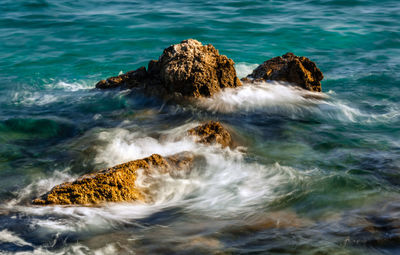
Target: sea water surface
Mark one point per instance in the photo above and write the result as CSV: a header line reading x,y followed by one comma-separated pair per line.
x,y
313,175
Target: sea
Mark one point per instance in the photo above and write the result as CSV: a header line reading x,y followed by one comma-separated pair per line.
x,y
314,173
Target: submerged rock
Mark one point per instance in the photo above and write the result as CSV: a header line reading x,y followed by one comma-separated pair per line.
x,y
290,68
187,69
212,132
115,184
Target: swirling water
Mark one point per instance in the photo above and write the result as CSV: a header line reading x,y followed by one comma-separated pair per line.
x,y
313,175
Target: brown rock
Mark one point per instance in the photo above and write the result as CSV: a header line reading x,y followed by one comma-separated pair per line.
x,y
130,79
189,69
115,184
196,70
212,132
290,68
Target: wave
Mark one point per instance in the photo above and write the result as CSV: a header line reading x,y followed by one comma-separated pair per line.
x,y
225,185
275,97
52,93
10,237
243,69
33,98
70,86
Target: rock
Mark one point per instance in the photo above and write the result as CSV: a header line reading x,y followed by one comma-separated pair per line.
x,y
115,184
189,69
290,68
196,70
129,80
212,132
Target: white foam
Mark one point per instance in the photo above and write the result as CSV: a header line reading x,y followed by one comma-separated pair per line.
x,y
10,237
279,98
224,185
273,96
69,86
124,146
40,186
243,69
33,98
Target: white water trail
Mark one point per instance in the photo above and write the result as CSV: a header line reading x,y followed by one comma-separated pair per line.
x,y
53,92
271,96
70,86
224,185
243,69
279,98
10,237
28,98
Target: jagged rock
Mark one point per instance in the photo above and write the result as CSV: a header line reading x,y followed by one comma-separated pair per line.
x,y
212,132
196,70
115,184
290,68
188,69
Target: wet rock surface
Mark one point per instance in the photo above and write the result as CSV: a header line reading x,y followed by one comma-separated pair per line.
x,y
187,69
299,71
115,184
212,132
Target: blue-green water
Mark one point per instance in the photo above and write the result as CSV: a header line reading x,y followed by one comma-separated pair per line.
x,y
313,177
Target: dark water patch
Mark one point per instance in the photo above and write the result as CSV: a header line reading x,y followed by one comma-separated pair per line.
x,y
38,128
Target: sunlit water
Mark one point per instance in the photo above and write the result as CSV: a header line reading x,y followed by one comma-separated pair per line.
x,y
313,174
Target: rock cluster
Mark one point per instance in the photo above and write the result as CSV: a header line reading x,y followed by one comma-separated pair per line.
x,y
118,183
290,68
187,69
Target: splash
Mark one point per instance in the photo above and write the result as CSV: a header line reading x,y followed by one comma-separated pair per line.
x,y
243,69
27,98
279,98
10,237
53,92
70,86
273,96
224,184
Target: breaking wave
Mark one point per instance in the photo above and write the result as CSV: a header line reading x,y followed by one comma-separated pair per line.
x,y
226,184
279,98
53,92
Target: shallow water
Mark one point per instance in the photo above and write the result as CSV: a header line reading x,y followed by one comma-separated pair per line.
x,y
314,174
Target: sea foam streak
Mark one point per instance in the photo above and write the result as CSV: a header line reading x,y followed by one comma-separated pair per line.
x,y
53,92
10,237
225,185
70,86
274,97
243,69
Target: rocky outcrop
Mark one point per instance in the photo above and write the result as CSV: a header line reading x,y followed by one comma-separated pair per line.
x,y
197,70
115,184
290,68
212,132
187,69
118,183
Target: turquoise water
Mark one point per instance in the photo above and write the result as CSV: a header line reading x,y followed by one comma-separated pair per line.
x,y
313,176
